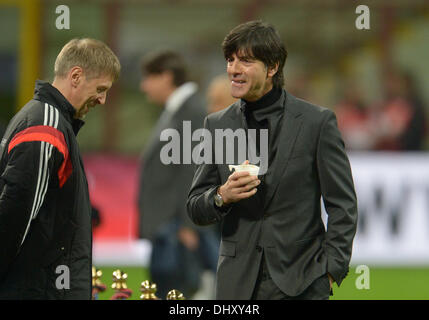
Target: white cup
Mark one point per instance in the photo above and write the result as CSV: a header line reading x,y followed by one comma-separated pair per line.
x,y
252,169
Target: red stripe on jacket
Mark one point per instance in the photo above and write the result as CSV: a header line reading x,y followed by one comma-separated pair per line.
x,y
52,136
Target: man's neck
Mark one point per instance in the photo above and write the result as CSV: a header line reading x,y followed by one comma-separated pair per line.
x,y
266,100
64,89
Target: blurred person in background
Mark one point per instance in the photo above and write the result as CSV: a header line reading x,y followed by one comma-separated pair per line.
x,y
45,211
354,119
400,120
300,85
219,94
180,250
218,98
274,243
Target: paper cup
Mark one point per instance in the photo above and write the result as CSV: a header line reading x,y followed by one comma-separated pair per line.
x,y
252,169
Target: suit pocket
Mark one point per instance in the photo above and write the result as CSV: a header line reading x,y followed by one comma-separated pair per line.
x,y
227,248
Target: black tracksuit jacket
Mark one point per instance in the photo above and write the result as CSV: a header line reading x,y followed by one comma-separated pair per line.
x,y
45,212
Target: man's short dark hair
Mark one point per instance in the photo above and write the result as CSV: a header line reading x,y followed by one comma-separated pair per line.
x,y
162,61
257,40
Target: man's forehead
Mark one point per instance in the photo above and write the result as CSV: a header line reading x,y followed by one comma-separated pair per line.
x,y
244,53
105,80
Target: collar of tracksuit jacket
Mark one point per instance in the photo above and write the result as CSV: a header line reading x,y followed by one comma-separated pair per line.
x,y
45,92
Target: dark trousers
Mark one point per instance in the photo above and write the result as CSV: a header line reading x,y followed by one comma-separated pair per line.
x,y
266,289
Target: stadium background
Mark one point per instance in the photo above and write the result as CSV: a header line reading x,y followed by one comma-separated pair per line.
x,y
326,51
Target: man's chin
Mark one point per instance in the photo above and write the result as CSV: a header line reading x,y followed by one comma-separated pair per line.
x,y
81,114
237,94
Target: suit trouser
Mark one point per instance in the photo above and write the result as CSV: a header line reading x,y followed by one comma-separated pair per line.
x,y
266,289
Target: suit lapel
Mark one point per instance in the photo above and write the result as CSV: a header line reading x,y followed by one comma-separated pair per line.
x,y
286,141
237,117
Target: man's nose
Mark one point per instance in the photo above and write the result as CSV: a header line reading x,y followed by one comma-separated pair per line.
x,y
101,99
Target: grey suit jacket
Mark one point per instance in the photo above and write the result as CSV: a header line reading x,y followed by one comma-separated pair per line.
x,y
310,163
163,188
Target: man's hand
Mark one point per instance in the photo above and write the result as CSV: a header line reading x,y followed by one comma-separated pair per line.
x,y
331,280
189,238
240,185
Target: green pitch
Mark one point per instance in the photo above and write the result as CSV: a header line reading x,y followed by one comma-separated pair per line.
x,y
384,284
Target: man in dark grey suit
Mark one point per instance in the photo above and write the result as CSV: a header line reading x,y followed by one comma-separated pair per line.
x,y
180,249
274,244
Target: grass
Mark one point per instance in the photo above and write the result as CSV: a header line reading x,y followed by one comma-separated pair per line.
x,y
384,284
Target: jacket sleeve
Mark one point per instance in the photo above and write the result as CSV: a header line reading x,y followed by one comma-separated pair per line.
x,y
24,181
339,197
200,204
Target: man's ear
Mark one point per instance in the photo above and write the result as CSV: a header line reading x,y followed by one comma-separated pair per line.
x,y
76,76
168,77
272,70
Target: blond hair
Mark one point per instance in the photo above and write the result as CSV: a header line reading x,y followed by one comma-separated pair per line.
x,y
93,56
219,94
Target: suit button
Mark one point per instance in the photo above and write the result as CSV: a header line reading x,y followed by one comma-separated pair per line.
x,y
259,248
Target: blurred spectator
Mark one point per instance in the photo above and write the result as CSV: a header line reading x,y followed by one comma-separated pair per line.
x,y
219,94
218,98
354,120
400,119
180,250
298,84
